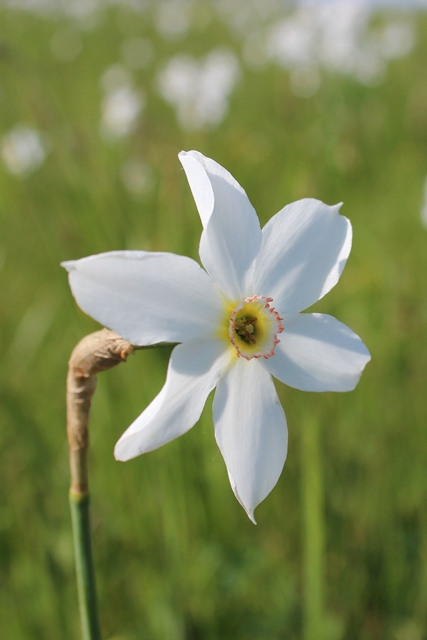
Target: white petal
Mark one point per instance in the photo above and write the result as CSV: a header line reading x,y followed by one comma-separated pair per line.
x,y
232,236
193,372
250,428
146,297
304,250
318,353
200,185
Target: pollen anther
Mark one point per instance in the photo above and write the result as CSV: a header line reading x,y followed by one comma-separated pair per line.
x,y
253,328
244,327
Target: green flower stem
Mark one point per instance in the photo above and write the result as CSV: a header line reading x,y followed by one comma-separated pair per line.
x,y
79,505
312,488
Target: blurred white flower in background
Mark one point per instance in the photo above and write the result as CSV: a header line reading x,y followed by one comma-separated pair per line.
x,y
292,41
172,18
304,37
396,39
136,177
122,104
305,81
199,89
246,16
137,53
81,10
120,111
337,36
116,77
24,149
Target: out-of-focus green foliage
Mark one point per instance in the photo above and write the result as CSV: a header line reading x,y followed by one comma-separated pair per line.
x,y
176,556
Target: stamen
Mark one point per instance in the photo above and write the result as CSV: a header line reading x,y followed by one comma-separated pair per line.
x,y
244,327
255,336
244,322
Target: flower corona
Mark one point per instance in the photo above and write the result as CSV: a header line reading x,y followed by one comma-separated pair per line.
x,y
254,327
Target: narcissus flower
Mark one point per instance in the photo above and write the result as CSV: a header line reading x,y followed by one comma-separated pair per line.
x,y
238,322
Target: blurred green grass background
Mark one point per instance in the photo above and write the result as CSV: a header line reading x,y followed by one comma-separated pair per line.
x,y
175,554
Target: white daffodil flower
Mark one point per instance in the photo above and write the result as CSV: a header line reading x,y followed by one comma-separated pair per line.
x,y
238,322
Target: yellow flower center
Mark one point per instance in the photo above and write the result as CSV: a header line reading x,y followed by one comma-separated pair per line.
x,y
253,328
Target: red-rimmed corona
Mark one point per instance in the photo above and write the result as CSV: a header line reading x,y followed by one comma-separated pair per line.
x,y
254,327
